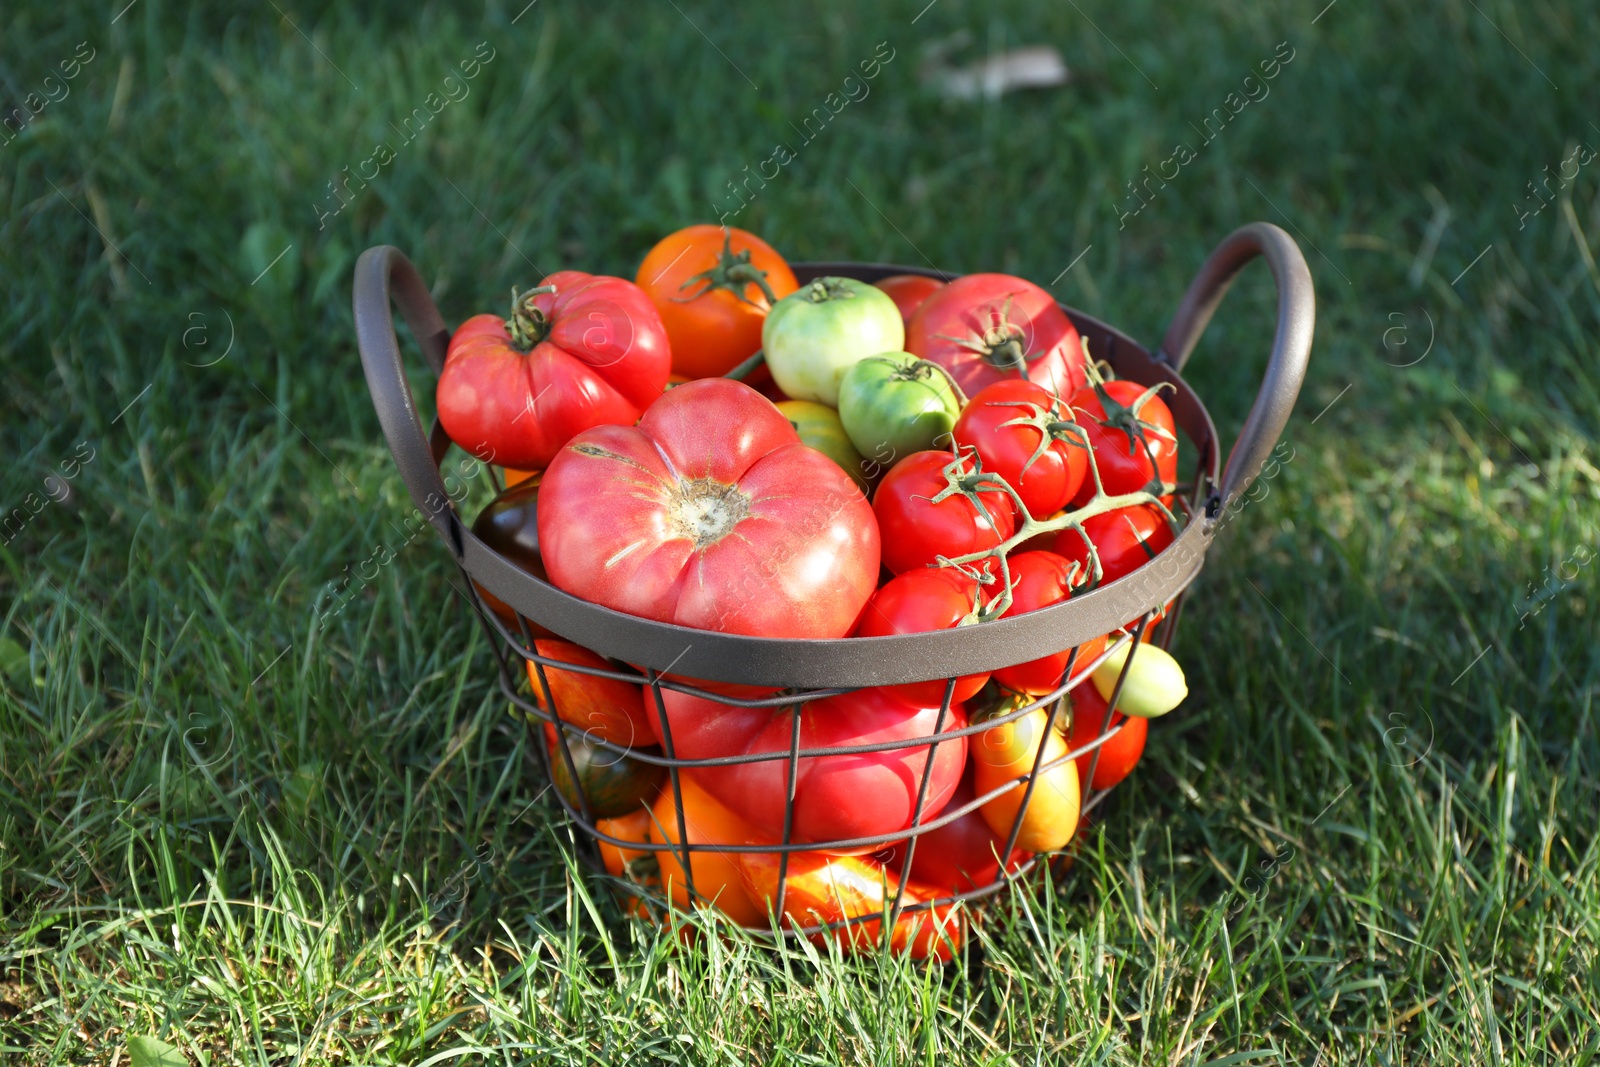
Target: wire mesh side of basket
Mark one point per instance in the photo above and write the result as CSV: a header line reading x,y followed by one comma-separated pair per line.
x,y
517,648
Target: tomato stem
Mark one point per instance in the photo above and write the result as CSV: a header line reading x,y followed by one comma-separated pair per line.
x,y
1053,423
1031,527
734,272
527,324
1000,345
923,364
744,370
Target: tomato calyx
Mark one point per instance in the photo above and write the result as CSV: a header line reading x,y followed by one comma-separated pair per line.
x,y
983,577
733,272
969,482
1125,419
527,324
825,289
1001,344
995,702
920,370
1054,423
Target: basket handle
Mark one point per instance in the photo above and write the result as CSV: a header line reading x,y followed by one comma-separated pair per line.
x,y
1291,344
383,272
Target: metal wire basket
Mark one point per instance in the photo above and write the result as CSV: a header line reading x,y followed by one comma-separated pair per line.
x,y
811,669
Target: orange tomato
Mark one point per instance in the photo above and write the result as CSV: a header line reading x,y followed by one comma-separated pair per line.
x,y
713,287
610,710
716,874
635,906
834,889
932,933
516,477
634,826
1004,754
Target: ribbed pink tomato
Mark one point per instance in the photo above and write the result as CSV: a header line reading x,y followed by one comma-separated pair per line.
x,y
710,513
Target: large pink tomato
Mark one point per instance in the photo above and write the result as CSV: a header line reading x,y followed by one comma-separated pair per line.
x,y
710,513
580,350
983,328
835,797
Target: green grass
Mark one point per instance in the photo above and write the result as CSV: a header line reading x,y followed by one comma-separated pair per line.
x,y
265,838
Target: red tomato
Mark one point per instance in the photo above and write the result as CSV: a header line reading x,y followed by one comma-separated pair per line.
x,y
835,796
916,531
1027,436
930,934
604,707
710,513
1039,579
1119,755
962,854
933,598
1132,448
909,291
591,352
822,889
713,286
1126,540
983,328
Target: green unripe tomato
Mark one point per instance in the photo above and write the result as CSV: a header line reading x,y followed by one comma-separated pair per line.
x,y
894,404
813,335
818,426
1155,682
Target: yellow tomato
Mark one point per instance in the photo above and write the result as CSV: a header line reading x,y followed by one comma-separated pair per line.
x,y
1004,754
818,426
